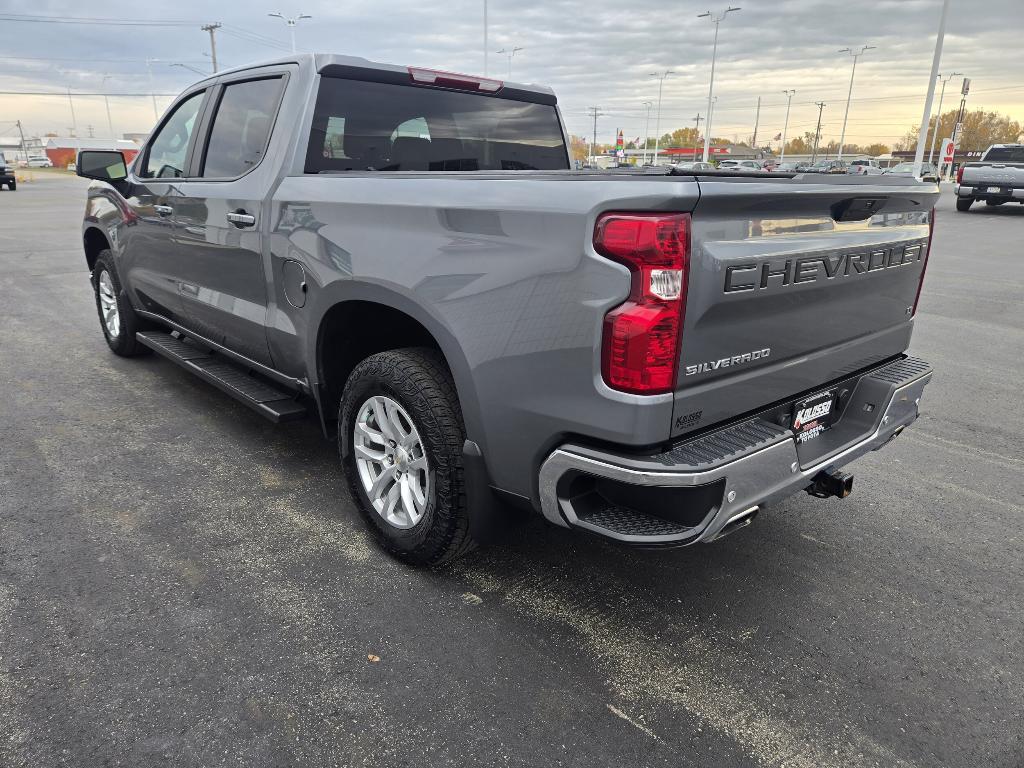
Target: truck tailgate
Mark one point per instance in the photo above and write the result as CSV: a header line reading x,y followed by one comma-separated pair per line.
x,y
795,282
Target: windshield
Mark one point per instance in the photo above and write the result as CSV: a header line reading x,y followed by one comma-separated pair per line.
x,y
1005,155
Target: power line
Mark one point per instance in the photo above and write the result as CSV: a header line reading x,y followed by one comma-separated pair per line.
x,y
116,22
79,58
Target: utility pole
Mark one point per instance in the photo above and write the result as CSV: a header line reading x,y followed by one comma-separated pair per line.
x,y
938,114
595,112
716,20
757,119
74,122
922,136
785,126
817,131
510,52
485,38
152,93
842,135
657,120
647,128
106,101
696,136
21,133
212,28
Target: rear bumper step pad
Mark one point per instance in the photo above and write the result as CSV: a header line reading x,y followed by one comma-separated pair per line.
x,y
278,405
755,461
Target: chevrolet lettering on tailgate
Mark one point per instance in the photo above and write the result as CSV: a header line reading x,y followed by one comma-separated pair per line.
x,y
761,275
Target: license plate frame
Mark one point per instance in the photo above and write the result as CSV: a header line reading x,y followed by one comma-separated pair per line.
x,y
814,414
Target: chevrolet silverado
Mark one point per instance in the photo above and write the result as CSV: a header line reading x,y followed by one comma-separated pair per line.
x,y
651,356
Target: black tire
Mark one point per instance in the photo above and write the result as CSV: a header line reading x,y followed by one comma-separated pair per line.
x,y
419,380
964,203
124,342
12,186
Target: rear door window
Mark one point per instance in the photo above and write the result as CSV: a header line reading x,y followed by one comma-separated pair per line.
x,y
241,127
367,126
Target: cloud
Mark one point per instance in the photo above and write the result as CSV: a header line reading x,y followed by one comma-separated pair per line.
x,y
595,53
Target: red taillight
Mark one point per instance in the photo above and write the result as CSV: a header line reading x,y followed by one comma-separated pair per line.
x,y
640,349
927,252
454,80
959,175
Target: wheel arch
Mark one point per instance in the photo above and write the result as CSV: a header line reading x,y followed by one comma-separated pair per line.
x,y
382,319
94,242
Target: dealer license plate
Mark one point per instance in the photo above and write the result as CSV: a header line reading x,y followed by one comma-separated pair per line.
x,y
813,415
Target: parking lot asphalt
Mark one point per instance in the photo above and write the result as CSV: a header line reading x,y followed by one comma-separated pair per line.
x,y
182,583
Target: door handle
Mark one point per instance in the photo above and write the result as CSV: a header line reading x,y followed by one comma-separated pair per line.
x,y
163,210
241,219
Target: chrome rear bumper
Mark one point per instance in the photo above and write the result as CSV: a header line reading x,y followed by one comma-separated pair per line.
x,y
756,462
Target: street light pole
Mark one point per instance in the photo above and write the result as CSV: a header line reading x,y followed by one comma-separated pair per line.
x,y
938,114
485,39
595,112
785,125
291,22
657,119
647,128
510,52
857,55
817,131
188,67
716,20
922,136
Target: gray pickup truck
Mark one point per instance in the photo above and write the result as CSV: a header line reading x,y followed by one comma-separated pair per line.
x,y
408,255
997,178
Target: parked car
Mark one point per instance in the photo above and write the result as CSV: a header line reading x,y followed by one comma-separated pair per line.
x,y
516,334
928,171
864,167
997,178
7,174
39,162
786,167
693,166
740,165
828,166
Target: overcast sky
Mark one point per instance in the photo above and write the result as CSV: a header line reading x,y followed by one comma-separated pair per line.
x,y
594,53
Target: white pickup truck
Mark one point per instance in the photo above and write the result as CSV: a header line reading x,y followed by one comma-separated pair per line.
x,y
997,178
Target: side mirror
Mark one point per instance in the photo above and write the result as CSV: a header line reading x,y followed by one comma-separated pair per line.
x,y
102,164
